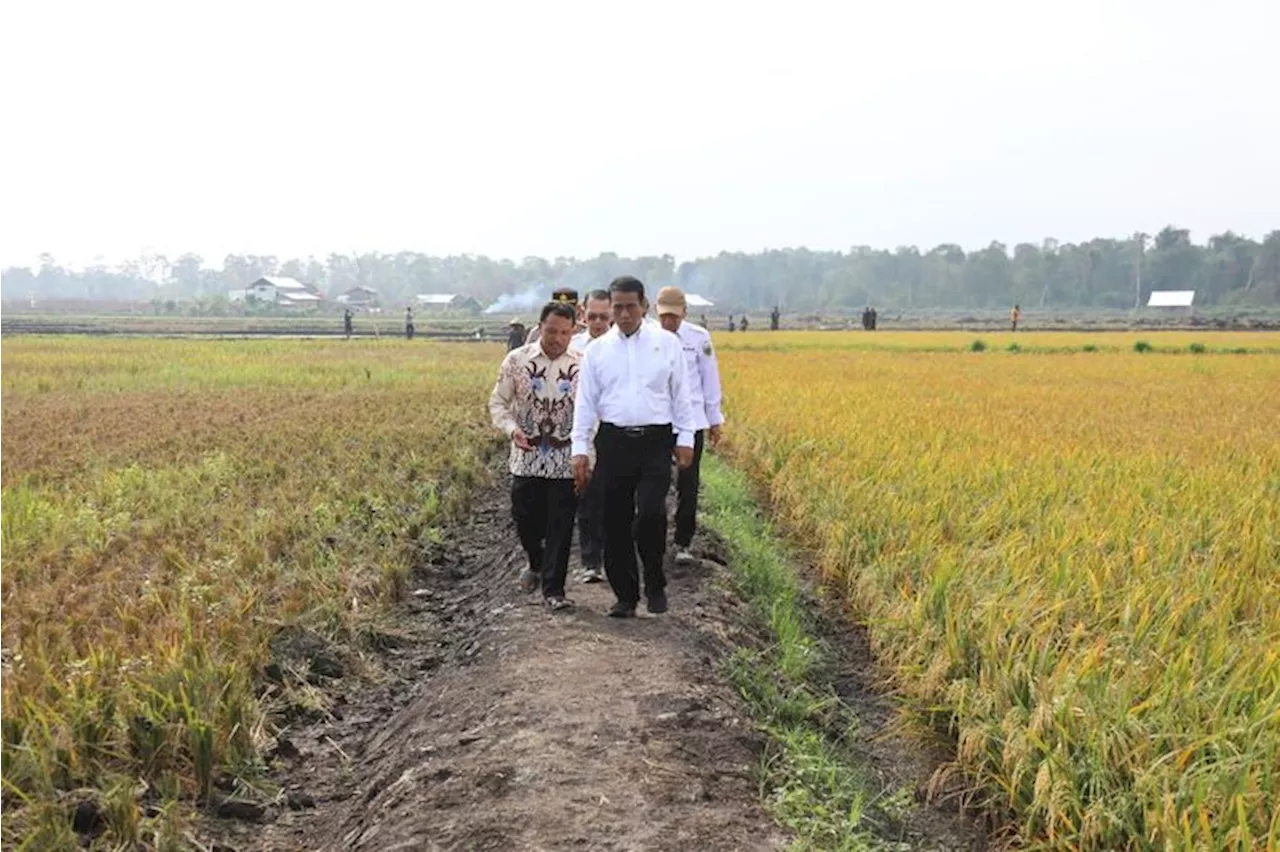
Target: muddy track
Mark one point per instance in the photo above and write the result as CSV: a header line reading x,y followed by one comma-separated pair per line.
x,y
493,724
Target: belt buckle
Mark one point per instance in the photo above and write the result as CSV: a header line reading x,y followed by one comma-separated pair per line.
x,y
633,431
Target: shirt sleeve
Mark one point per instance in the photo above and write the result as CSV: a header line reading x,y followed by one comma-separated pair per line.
x,y
709,370
585,405
502,397
681,408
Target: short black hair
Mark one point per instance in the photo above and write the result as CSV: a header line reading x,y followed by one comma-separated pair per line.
x,y
560,309
627,284
597,295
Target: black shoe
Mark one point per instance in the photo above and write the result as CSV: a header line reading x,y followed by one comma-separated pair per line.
x,y
657,602
622,610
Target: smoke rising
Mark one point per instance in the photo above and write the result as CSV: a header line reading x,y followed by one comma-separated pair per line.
x,y
524,301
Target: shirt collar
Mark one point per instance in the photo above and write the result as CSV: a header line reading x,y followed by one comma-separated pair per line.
x,y
646,323
539,352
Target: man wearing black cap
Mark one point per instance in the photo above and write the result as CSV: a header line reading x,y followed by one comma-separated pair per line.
x,y
560,294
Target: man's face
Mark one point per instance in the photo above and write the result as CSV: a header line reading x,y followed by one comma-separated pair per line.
x,y
554,334
599,315
671,322
628,311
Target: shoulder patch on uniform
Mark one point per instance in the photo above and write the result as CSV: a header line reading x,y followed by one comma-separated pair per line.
x,y
706,349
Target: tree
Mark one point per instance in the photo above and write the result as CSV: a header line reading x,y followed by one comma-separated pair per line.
x,y
1175,260
184,276
1098,273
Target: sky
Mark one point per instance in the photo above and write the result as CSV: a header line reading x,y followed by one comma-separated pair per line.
x,y
683,128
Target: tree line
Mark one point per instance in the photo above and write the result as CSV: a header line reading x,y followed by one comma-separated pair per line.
x,y
1226,270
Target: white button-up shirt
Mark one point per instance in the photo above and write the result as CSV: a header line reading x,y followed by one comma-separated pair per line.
x,y
639,380
580,341
579,344
703,375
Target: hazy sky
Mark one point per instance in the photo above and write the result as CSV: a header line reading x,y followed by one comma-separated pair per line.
x,y
642,128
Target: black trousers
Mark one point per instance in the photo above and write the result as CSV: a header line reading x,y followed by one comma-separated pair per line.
x,y
634,469
687,482
591,525
544,510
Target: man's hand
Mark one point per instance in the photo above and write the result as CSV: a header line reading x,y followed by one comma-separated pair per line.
x,y
521,440
684,457
714,434
581,474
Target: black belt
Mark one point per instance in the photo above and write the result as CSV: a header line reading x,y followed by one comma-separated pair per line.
x,y
638,431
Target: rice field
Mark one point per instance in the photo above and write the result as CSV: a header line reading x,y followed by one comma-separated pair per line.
x,y
1068,556
1067,552
170,506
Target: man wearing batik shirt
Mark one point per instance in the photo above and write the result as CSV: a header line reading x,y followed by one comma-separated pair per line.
x,y
533,403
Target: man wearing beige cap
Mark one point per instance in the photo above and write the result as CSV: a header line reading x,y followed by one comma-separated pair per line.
x,y
703,382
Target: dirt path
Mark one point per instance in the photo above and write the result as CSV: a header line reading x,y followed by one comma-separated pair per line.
x,y
498,725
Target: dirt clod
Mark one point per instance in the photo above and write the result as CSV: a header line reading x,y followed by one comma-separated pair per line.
x,y
241,810
326,664
87,818
298,800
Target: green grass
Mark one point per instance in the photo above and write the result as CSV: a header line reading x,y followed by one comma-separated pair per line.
x,y
809,782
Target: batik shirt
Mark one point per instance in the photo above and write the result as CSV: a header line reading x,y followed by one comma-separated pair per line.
x,y
535,394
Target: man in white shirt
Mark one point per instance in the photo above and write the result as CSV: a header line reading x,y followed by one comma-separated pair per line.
x,y
632,381
591,504
598,314
703,380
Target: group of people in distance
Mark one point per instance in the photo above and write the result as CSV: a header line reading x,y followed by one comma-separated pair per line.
x,y
598,400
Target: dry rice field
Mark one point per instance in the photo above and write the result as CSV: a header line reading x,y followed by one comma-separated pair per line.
x,y
168,507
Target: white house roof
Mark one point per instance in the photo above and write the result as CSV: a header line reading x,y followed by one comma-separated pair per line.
x,y
436,298
359,294
693,300
1171,298
304,296
281,282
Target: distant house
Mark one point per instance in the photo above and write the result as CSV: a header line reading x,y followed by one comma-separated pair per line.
x,y
1171,298
360,297
447,302
283,291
